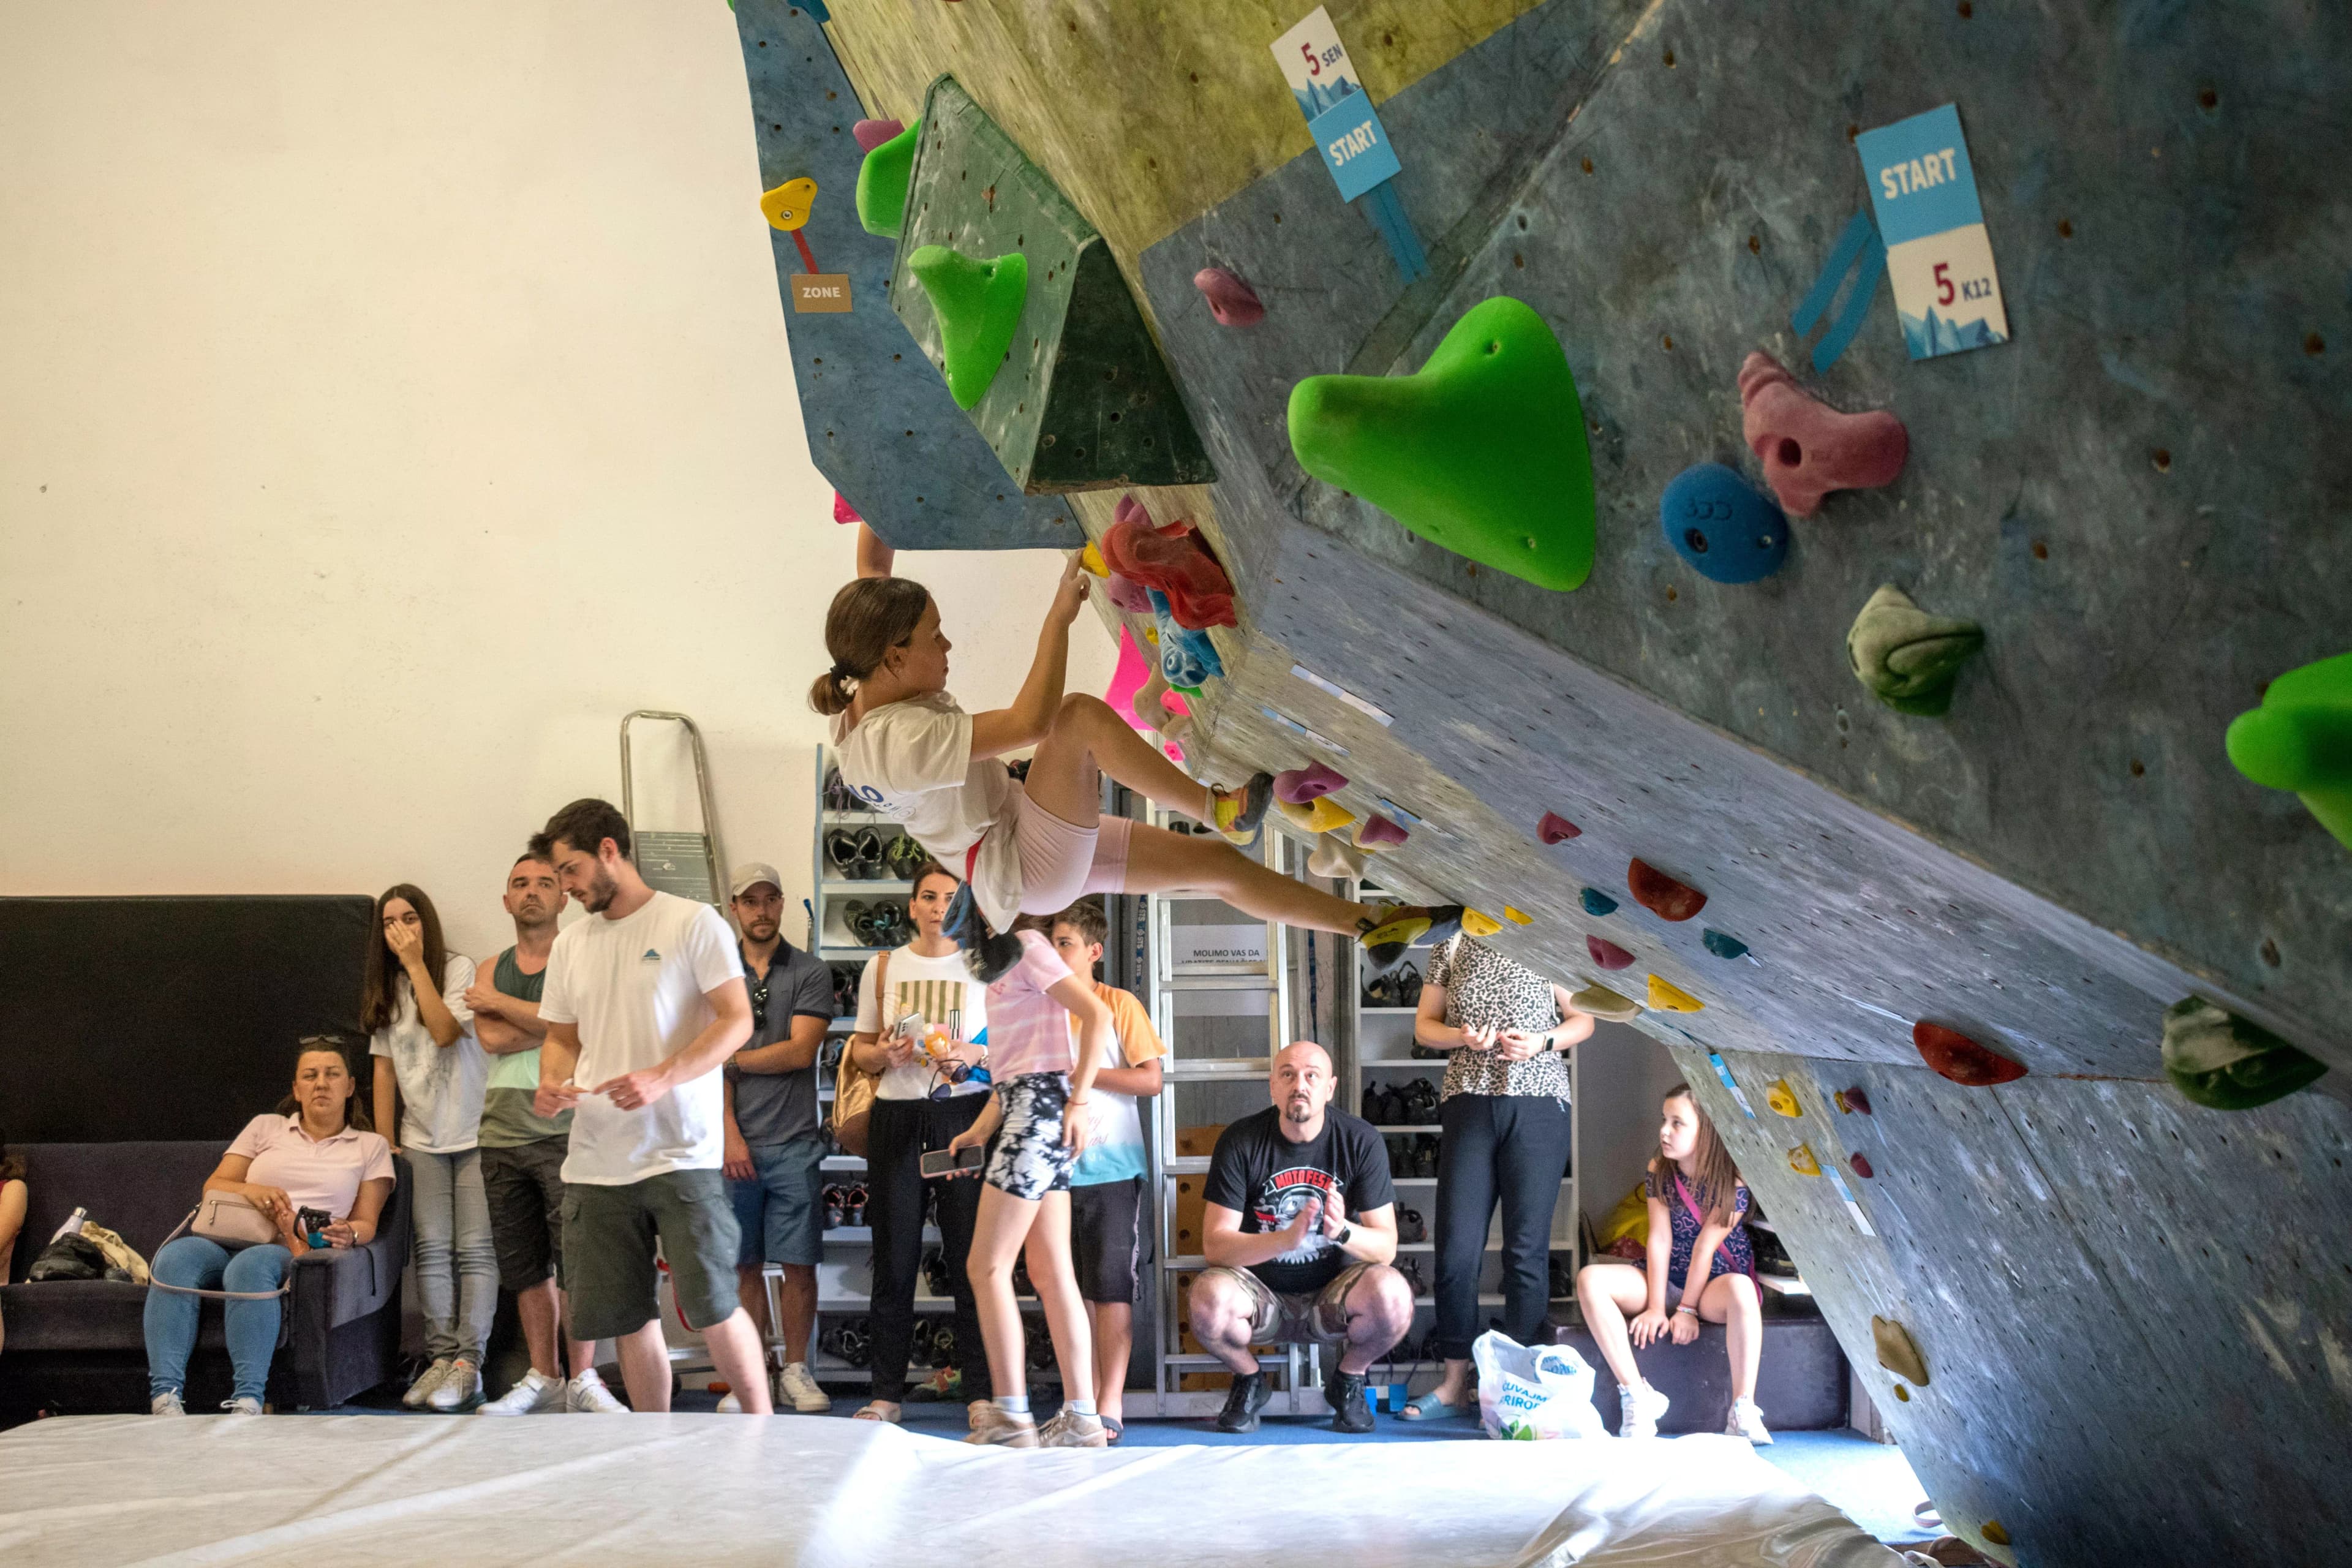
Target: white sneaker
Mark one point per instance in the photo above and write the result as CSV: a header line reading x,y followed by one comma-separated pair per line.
x,y
796,1388
421,1389
1747,1421
1639,1409
535,1392
731,1405
461,1389
166,1405
242,1405
587,1395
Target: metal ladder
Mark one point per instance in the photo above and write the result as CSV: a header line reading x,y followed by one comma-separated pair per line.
x,y
1163,982
668,861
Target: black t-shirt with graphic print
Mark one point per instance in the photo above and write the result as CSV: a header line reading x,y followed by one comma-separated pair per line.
x,y
1265,1178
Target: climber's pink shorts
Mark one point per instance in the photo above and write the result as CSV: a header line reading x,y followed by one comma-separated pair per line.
x,y
1061,862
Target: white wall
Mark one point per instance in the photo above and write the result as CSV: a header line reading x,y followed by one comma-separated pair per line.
x,y
389,400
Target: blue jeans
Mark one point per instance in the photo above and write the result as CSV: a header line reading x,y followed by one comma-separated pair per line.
x,y
206,1265
776,1209
457,1258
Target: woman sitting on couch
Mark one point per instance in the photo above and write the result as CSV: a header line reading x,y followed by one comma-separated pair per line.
x,y
315,1152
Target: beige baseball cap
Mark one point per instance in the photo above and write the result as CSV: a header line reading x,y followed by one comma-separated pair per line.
x,y
752,873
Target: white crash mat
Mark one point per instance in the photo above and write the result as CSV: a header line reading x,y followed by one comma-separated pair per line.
x,y
695,1492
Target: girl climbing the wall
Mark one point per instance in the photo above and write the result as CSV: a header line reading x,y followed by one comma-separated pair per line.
x,y
1037,846
1697,1209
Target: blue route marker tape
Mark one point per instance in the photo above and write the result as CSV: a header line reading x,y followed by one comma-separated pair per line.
x,y
1859,243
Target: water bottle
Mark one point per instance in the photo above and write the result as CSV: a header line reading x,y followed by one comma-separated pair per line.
x,y
72,1225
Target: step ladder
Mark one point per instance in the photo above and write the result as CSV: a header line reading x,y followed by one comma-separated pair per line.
x,y
1163,981
690,865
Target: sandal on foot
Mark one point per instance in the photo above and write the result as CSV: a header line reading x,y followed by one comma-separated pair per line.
x,y
1113,1429
873,1412
1429,1407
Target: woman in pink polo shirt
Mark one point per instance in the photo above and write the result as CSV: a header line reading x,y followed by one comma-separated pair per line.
x,y
315,1152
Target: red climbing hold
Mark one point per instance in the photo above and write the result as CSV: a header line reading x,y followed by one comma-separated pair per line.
x,y
1232,302
843,512
1810,449
1173,560
1555,829
1378,829
1861,1167
1607,953
1661,894
1299,785
872,133
1963,1060
1851,1100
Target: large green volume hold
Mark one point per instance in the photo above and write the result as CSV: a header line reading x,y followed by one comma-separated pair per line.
x,y
1906,657
2224,1062
2301,739
1481,452
979,306
882,183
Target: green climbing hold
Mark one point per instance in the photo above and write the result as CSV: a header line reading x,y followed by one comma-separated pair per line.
x,y
1906,657
2301,739
2225,1063
979,306
882,183
1482,451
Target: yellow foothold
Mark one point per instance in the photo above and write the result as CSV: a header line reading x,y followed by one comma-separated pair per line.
x,y
1603,1002
1518,917
1091,559
1669,998
1781,1098
1992,1532
1152,636
787,206
1320,814
1474,924
1801,1161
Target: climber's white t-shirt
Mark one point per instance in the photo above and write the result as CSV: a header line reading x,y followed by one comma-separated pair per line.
x,y
912,763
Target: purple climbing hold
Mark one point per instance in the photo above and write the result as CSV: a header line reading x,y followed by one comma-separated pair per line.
x,y
1299,785
1378,829
872,133
1233,302
1128,594
1555,829
1607,953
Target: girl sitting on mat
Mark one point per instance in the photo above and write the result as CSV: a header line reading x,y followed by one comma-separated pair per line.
x,y
1698,1203
1037,847
1036,1117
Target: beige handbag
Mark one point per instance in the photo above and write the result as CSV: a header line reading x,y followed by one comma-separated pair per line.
x,y
233,1220
852,1087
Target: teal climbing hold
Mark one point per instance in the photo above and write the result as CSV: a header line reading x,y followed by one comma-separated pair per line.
x,y
2301,739
979,306
2224,1062
1481,452
1906,657
1597,903
1723,946
882,183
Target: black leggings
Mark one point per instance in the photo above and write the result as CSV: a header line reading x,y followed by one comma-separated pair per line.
x,y
1514,1147
897,1136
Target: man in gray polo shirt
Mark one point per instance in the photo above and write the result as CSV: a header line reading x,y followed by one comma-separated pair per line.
x,y
775,1142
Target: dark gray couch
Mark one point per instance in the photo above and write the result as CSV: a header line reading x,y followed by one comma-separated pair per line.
x,y
78,1346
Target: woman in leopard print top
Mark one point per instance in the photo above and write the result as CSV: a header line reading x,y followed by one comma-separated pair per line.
x,y
1503,1116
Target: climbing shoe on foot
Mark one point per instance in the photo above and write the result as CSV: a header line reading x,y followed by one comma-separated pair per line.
x,y
1350,1410
1399,928
1239,811
1248,1397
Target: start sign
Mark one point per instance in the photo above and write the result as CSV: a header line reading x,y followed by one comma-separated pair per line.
x,y
1938,257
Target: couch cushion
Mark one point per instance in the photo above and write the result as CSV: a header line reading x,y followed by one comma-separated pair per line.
x,y
140,1191
86,1315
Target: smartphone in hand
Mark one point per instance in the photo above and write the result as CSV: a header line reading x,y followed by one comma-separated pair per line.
x,y
954,1162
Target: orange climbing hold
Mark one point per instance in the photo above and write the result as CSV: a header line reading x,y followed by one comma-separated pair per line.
x,y
1962,1059
1661,894
1607,953
1173,560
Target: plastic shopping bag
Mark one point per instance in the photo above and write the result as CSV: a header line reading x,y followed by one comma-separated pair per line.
x,y
1528,1391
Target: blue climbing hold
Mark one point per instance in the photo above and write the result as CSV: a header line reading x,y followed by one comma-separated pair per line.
x,y
1723,946
1727,529
1597,903
1187,657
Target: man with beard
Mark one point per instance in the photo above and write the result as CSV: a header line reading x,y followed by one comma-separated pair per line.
x,y
523,1152
644,1002
1301,1230
775,1144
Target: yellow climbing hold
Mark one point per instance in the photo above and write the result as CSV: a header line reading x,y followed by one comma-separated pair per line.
x,y
1603,1002
1320,814
1781,1098
1091,559
1801,1161
1992,1532
1474,924
1669,998
1152,636
787,206
1518,917
1898,1352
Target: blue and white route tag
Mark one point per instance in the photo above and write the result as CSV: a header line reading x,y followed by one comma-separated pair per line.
x,y
1724,1073
1938,257
1860,1220
1338,112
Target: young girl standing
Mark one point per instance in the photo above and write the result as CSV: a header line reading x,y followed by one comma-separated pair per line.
x,y
1698,1203
429,1063
1036,1117
1037,847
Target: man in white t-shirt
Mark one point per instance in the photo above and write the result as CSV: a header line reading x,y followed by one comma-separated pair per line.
x,y
644,1002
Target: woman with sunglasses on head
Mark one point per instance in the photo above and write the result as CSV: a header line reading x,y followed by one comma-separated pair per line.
x,y
922,1101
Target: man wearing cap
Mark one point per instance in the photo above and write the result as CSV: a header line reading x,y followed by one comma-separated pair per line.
x,y
775,1142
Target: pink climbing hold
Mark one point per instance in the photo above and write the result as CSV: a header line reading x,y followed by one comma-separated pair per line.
x,y
1173,560
843,512
1378,829
1810,449
1232,302
1299,785
1133,673
1126,595
1607,953
1555,829
872,133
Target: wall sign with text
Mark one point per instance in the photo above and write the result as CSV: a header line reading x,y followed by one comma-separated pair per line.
x,y
1938,257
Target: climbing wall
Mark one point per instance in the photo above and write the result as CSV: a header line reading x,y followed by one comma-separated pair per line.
x,y
2131,498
